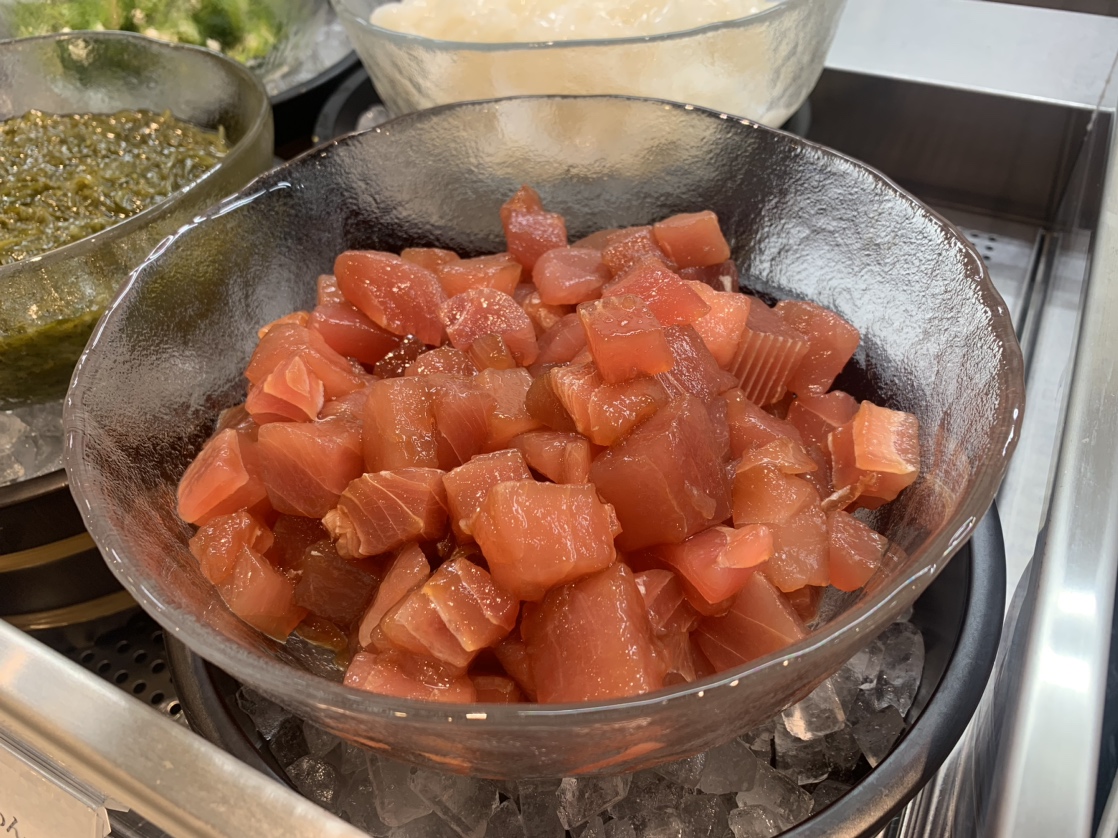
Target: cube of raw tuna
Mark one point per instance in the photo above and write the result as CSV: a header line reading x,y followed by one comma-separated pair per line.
x,y
854,551
591,640
350,333
224,478
624,248
414,625
331,587
538,535
483,311
462,409
692,239
403,675
668,609
328,291
261,595
510,417
695,370
722,327
397,295
558,456
543,315
760,621
499,271
831,344
624,338
877,453
400,425
569,275
671,300
751,427
478,612
428,257
382,511
562,341
468,485
305,466
446,360
337,374
768,356
290,393
408,569
714,565
530,230
665,479
218,542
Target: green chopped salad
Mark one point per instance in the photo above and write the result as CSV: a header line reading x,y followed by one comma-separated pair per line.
x,y
246,30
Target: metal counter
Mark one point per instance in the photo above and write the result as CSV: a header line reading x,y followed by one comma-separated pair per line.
x,y
1001,116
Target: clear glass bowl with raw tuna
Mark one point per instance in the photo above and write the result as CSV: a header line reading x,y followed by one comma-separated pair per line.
x,y
618,487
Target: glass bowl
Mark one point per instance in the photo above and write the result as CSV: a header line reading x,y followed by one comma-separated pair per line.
x,y
802,221
762,66
50,303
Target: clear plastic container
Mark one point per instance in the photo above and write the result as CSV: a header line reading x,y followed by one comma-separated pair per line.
x,y
761,67
803,222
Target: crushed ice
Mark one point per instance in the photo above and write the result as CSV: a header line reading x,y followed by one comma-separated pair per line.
x,y
756,786
30,442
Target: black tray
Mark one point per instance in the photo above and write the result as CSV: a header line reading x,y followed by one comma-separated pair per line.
x,y
960,615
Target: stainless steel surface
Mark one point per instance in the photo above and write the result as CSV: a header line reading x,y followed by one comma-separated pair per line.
x,y
130,753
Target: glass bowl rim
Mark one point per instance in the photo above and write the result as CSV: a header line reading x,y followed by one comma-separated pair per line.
x,y
344,11
294,686
87,244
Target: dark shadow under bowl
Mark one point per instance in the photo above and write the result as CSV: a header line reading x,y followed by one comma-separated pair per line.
x,y
803,222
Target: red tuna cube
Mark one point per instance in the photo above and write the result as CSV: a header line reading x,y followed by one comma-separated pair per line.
x,y
482,311
624,338
224,478
397,295
468,485
380,512
760,621
692,239
671,300
307,465
831,343
569,275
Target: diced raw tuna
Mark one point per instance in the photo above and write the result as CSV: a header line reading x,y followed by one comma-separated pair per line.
x,y
854,551
261,595
714,564
722,327
723,277
539,535
496,689
402,675
428,257
490,352
337,374
569,275
408,569
751,427
468,485
510,417
760,621
769,355
560,457
332,587
573,386
293,535
296,318
544,405
531,234
878,451
475,609
482,311
290,393
462,409
800,547
626,247
624,338
817,415
218,542
563,341
414,625
765,495
396,362
665,479
695,371
591,640
682,660
512,652
305,466
831,344
783,453
692,240
328,291
350,333
671,300
805,602
446,360
397,295
400,425
543,315
224,478
380,512
668,610
499,271
350,406
597,240
615,409
237,418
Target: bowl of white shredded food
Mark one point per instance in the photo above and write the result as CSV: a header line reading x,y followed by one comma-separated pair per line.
x,y
752,58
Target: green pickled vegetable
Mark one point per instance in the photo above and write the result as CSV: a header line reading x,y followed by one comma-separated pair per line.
x,y
246,30
63,178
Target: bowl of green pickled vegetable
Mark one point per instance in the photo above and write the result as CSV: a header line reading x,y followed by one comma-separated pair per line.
x,y
109,142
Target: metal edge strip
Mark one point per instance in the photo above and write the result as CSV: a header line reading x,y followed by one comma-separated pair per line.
x,y
70,615
46,553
